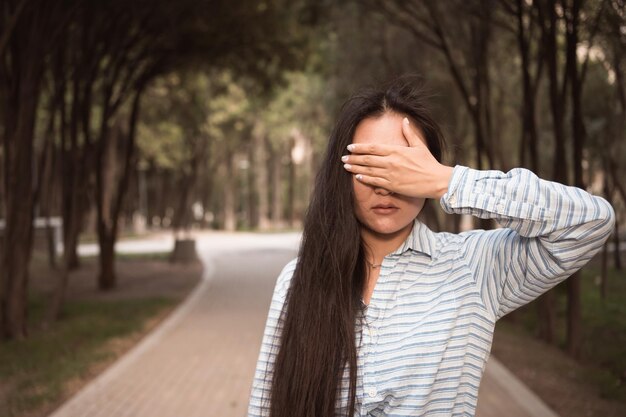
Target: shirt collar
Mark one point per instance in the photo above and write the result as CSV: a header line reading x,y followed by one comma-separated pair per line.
x,y
421,239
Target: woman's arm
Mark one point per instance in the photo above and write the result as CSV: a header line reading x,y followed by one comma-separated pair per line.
x,y
260,393
549,232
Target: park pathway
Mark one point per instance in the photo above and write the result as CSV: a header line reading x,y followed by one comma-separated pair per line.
x,y
200,361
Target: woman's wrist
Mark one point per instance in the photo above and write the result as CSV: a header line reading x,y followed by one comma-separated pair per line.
x,y
442,180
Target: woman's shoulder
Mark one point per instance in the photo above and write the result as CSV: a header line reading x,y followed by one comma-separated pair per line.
x,y
290,267
284,278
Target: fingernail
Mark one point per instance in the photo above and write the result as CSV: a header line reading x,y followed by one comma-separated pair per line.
x,y
347,166
344,158
405,121
359,177
350,147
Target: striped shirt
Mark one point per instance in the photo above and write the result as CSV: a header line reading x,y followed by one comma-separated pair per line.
x,y
429,325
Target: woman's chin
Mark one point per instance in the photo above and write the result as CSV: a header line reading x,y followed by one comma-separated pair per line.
x,y
385,227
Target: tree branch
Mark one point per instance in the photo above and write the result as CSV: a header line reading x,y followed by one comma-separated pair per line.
x,y
10,25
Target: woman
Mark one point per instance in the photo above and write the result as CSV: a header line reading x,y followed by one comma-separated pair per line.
x,y
378,315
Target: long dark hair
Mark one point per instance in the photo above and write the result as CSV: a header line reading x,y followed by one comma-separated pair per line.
x,y
323,303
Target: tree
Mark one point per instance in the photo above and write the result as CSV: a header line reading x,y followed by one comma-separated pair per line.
x,y
112,50
462,33
296,121
548,12
34,32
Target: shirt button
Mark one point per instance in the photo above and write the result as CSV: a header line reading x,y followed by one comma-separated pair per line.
x,y
372,392
453,200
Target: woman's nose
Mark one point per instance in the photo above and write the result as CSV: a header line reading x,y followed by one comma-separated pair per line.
x,y
382,191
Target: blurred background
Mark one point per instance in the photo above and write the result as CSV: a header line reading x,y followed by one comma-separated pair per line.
x,y
162,121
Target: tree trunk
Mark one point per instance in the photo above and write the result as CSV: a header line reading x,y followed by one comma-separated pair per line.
x,y
181,218
477,99
620,90
250,190
260,180
548,24
529,123
19,124
547,317
111,201
574,335
70,240
604,269
106,174
230,220
604,276
207,192
277,194
616,242
480,223
291,200
574,313
548,19
184,251
72,172
107,279
46,188
73,259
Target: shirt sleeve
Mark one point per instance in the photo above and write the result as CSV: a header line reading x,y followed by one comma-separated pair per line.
x,y
259,396
549,231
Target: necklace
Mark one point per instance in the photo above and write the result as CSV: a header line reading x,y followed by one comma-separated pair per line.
x,y
372,265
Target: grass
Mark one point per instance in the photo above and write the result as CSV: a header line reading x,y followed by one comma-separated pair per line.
x,y
603,329
147,256
34,372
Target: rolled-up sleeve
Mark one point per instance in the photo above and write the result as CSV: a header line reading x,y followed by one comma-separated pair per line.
x,y
549,231
259,396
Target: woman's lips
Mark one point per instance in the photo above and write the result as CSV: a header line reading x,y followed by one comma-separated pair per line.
x,y
384,210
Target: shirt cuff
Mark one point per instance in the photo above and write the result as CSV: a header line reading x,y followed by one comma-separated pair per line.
x,y
450,199
494,194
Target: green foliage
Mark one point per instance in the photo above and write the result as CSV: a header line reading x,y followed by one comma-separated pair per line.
x,y
604,329
602,115
324,51
162,142
189,113
304,103
230,117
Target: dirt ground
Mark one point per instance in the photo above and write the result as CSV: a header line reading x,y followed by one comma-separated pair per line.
x,y
560,381
136,279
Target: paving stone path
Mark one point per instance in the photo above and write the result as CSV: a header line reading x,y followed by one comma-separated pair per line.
x,y
200,361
